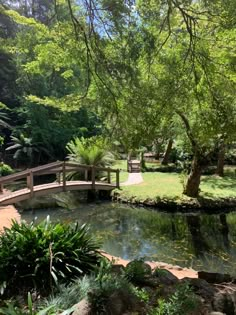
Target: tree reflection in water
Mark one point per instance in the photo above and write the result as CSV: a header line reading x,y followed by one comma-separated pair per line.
x,y
206,242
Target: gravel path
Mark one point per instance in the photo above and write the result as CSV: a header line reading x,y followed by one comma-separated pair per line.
x,y
7,214
133,179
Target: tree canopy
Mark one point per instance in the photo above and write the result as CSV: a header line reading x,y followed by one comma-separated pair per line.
x,y
136,70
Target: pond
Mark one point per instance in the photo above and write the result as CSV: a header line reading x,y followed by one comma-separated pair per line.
x,y
201,241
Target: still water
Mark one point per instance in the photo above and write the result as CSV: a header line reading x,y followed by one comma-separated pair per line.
x,y
201,241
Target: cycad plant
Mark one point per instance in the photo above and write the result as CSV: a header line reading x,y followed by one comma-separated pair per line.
x,y
93,151
25,148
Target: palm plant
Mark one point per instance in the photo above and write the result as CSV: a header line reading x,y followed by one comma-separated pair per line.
x,y
91,151
3,118
25,148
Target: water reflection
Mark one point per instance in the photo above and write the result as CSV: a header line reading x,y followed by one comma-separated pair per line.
x,y
202,241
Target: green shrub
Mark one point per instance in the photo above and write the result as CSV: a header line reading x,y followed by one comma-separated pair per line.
x,y
137,270
182,302
141,294
108,284
11,309
42,255
68,295
102,290
5,169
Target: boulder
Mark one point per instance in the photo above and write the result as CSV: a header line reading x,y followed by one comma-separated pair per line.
x,y
117,269
213,277
224,302
165,276
82,308
201,287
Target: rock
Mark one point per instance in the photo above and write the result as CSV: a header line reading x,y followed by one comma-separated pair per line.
x,y
117,269
225,303
82,308
213,277
217,313
117,303
201,287
165,276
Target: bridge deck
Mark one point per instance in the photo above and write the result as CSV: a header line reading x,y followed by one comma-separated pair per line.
x,y
60,169
9,197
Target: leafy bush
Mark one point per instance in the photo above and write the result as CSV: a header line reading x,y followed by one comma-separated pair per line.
x,y
182,302
141,294
109,285
69,295
93,151
42,255
5,169
136,271
11,309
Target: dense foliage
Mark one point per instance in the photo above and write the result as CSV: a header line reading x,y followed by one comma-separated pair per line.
x,y
40,256
153,74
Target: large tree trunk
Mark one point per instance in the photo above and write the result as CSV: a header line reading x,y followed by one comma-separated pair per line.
x,y
194,178
167,153
221,160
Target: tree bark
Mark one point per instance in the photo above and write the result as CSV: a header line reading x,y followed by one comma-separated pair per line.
x,y
167,153
194,178
221,160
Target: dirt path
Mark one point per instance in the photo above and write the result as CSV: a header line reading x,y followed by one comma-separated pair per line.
x,y
176,270
133,179
7,214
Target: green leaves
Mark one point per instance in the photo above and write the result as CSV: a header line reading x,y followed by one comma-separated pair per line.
x,y
91,151
43,255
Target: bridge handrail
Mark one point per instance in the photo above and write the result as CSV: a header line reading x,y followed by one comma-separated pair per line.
x,y
25,173
56,167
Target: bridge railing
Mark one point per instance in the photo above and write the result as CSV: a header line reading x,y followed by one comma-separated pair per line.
x,y
59,168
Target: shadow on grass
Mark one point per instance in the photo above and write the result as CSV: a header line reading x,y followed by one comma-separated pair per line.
x,y
227,182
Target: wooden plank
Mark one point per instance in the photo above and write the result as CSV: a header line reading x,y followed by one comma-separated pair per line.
x,y
82,166
93,178
109,176
46,166
23,174
13,177
118,178
30,183
64,176
54,187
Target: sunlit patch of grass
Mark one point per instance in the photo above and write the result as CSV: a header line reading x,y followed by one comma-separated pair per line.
x,y
215,186
157,184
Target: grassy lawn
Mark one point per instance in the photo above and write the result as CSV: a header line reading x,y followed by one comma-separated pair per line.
x,y
157,184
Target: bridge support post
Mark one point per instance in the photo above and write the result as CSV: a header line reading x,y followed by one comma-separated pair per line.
x,y
64,176
93,177
109,176
86,175
118,178
1,188
30,183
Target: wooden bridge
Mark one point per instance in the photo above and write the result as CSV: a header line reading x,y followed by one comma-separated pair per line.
x,y
60,169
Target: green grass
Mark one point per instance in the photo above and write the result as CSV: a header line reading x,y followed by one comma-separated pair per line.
x,y
122,166
157,184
